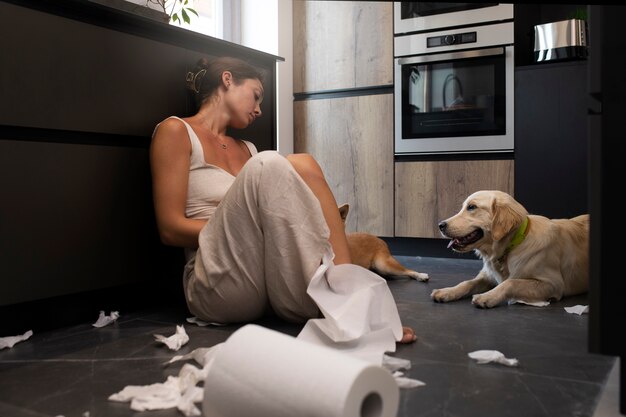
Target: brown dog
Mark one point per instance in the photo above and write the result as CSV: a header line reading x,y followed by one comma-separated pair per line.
x,y
371,252
525,257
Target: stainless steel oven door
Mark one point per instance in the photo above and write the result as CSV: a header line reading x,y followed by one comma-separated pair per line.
x,y
456,102
412,16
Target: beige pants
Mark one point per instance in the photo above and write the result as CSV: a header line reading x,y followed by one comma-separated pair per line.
x,y
260,249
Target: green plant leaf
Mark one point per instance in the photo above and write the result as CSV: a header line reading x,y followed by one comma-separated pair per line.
x,y
185,16
189,9
579,14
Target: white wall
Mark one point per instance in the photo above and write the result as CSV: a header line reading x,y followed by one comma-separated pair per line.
x,y
285,77
266,25
259,29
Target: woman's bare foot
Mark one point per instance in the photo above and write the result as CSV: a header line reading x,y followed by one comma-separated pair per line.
x,y
408,335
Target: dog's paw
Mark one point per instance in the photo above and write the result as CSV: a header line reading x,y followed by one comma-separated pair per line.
x,y
420,276
443,295
484,301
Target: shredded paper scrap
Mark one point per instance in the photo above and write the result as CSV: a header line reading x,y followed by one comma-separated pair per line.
x,y
175,341
577,309
486,356
104,320
9,341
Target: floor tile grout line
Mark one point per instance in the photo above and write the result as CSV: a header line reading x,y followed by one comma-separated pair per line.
x,y
141,358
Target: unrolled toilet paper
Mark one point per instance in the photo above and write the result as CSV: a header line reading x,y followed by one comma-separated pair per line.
x,y
264,373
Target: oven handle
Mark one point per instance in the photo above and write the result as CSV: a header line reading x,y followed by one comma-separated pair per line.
x,y
451,56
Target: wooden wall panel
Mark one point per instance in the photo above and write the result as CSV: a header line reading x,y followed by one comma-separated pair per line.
x,y
342,44
352,140
431,191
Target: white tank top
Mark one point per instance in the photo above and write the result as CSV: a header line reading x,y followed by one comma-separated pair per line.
x,y
207,183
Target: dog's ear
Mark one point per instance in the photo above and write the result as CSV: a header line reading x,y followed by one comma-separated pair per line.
x,y
506,217
343,211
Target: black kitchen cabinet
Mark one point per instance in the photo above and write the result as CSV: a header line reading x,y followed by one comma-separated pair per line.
x,y
80,66
607,110
551,150
82,86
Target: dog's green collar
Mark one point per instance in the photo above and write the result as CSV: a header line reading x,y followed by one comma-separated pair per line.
x,y
520,235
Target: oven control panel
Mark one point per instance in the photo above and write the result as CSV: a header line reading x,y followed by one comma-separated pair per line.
x,y
448,40
456,39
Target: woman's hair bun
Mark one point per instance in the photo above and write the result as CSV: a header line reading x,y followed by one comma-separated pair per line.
x,y
206,77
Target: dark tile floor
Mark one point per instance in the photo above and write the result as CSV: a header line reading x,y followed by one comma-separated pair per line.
x,y
71,371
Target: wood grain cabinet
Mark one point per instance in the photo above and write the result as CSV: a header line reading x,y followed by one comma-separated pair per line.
x,y
341,44
351,137
343,109
427,192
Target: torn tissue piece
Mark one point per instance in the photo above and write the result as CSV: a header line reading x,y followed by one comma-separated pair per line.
x,y
394,365
9,341
531,303
577,309
104,320
180,392
200,355
486,356
404,382
150,397
175,341
197,321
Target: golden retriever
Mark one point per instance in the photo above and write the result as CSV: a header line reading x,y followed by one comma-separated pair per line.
x,y
372,252
526,258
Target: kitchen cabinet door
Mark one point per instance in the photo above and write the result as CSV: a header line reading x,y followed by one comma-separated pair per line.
x,y
342,44
551,145
427,192
351,138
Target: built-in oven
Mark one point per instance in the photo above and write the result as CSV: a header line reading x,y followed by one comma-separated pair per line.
x,y
453,91
416,16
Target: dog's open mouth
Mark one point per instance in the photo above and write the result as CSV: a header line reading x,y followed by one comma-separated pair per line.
x,y
459,243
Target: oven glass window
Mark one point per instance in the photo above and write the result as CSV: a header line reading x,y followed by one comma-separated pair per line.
x,y
454,98
412,9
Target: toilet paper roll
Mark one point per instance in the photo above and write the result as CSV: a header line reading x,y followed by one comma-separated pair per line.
x,y
263,373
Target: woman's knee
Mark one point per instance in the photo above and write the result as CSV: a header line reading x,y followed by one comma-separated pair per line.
x,y
306,166
266,161
267,157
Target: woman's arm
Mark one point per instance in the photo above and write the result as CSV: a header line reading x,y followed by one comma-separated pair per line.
x,y
170,152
